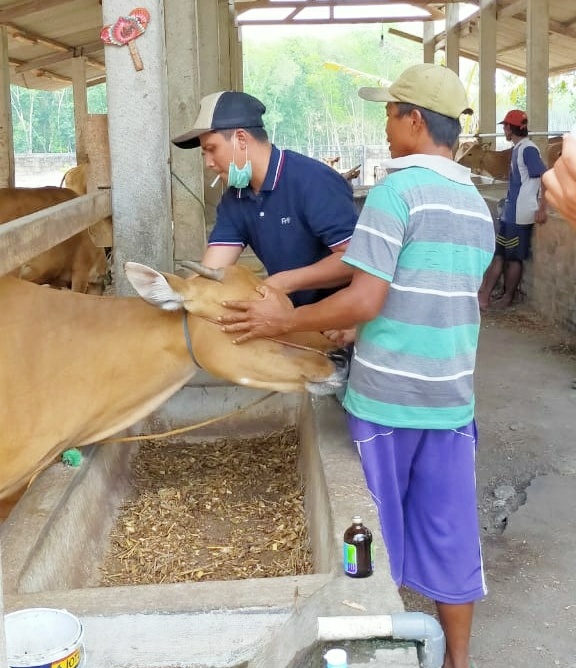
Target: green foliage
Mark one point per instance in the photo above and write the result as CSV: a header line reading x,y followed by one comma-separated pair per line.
x,y
310,105
43,121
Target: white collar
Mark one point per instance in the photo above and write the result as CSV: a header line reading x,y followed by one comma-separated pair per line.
x,y
437,163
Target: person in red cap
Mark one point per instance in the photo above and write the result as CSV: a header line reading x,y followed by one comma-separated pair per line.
x,y
524,206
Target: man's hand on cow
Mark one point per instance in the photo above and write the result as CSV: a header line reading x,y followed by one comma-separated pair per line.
x,y
560,181
341,337
259,318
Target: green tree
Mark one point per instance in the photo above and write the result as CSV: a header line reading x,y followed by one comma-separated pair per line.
x,y
43,121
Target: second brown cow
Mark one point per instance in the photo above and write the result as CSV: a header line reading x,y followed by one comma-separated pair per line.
x,y
76,263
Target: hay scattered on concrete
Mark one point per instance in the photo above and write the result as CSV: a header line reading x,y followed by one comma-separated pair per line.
x,y
224,510
523,320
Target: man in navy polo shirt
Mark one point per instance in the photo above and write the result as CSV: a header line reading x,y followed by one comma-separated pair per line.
x,y
296,213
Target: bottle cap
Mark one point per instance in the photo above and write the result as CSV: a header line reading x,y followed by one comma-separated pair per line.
x,y
336,658
357,519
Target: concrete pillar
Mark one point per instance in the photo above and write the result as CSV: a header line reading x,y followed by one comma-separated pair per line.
x,y
452,37
80,107
7,176
537,70
139,146
185,59
487,66
428,42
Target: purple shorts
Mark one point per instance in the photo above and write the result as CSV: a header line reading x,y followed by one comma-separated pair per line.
x,y
424,485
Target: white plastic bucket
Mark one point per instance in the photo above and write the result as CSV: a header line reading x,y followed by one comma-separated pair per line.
x,y
43,638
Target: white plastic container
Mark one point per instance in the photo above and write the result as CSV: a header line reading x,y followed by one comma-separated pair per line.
x,y
336,658
43,638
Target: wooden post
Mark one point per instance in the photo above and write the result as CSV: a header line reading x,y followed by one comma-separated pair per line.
x,y
428,42
7,173
184,63
537,70
487,63
98,172
452,37
80,107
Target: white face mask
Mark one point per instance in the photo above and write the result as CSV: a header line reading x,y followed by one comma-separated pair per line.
x,y
239,177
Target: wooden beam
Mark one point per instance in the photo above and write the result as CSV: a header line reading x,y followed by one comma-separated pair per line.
x,y
51,59
405,35
511,9
305,22
19,9
41,73
26,237
298,7
564,29
28,37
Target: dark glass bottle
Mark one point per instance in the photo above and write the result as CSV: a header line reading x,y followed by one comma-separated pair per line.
x,y
358,550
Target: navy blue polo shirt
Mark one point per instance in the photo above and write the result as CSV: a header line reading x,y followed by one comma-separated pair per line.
x,y
303,209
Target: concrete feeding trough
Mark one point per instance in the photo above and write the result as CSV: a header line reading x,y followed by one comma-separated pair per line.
x,y
55,538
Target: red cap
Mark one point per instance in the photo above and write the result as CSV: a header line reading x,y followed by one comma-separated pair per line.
x,y
516,117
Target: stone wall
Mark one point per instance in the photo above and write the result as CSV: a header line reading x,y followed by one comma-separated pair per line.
x,y
42,169
549,281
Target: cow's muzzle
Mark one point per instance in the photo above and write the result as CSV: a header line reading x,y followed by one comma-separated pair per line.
x,y
335,383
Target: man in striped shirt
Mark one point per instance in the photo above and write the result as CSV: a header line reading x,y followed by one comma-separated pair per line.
x,y
420,248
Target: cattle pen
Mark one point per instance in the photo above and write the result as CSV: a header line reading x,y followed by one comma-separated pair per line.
x,y
162,207
53,540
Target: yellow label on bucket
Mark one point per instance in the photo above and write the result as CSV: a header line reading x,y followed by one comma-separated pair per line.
x,y
70,661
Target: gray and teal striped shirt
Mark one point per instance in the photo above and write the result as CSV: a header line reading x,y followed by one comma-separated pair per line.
x,y
427,231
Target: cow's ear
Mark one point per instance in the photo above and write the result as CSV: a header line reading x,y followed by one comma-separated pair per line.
x,y
154,287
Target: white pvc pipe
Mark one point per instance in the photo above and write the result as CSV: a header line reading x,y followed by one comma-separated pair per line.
x,y
357,627
417,626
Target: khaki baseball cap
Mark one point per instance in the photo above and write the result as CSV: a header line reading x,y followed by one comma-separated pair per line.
x,y
429,86
225,110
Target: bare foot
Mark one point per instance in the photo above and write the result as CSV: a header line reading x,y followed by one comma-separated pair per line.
x,y
500,304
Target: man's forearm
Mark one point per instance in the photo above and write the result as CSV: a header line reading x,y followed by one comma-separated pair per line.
x,y
330,272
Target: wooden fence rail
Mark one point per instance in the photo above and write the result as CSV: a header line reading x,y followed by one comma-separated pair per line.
x,y
26,237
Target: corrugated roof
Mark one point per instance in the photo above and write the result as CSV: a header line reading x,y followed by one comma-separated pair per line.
x,y
45,35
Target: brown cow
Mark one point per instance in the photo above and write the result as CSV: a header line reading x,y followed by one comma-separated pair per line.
x,y
483,160
348,174
79,368
76,179
75,263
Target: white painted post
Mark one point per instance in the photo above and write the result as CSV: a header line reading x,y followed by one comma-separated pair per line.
x,y
139,145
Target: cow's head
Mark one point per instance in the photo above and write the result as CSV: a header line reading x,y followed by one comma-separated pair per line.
x,y
293,363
